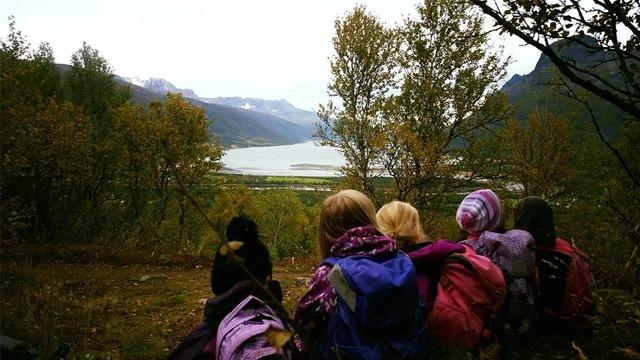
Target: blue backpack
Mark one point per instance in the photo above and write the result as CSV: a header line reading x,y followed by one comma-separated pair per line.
x,y
378,314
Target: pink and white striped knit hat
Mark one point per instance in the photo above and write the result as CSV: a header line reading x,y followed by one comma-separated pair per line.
x,y
480,211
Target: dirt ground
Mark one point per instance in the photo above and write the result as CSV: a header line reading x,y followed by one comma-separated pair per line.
x,y
106,310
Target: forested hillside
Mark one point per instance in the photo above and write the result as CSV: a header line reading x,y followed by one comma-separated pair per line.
x,y
542,89
236,124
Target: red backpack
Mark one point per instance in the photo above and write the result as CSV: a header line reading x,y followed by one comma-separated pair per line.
x,y
569,264
470,292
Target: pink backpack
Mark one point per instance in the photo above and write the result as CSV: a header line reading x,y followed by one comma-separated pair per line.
x,y
470,292
577,300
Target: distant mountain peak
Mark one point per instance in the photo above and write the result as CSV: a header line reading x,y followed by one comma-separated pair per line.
x,y
256,104
278,107
536,91
583,49
159,85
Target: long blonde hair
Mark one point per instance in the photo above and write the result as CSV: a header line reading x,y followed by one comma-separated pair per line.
x,y
401,221
340,212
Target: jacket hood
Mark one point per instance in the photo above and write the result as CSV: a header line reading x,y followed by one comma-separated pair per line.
x,y
364,240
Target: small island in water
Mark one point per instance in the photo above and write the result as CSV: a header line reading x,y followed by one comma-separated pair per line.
x,y
314,167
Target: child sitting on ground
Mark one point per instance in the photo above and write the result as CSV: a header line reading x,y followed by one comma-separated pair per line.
x,y
362,301
238,315
462,291
481,217
401,221
565,278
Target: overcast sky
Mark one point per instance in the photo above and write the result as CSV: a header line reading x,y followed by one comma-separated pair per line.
x,y
275,49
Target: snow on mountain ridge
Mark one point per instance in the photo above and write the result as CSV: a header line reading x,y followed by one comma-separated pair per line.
x,y
133,80
268,106
159,85
280,107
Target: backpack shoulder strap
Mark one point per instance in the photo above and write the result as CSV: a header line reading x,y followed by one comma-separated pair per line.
x,y
331,261
342,287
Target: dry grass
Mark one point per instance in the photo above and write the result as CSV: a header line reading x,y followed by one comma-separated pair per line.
x,y
111,309
106,310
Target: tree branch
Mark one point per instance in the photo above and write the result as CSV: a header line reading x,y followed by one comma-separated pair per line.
x,y
616,153
628,107
273,301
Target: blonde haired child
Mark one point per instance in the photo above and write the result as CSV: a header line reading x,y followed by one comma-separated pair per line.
x,y
401,221
347,235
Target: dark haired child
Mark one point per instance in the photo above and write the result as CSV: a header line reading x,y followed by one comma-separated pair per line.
x,y
237,298
224,275
564,274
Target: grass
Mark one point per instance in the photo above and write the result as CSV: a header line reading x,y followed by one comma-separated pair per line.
x,y
116,308
278,181
101,308
109,309
299,180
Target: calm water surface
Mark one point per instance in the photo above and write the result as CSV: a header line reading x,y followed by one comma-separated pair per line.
x,y
304,159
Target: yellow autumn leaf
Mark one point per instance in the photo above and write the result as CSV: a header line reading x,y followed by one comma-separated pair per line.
x,y
581,354
278,337
629,353
233,245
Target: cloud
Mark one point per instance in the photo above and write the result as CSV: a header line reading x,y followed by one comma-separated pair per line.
x,y
268,49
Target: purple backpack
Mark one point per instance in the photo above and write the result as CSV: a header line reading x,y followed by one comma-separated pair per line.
x,y
514,253
241,334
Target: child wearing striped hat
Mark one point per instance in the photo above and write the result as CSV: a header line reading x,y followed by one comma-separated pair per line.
x,y
481,218
480,211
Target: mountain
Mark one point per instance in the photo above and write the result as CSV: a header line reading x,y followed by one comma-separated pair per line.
x,y
280,108
277,123
535,92
233,126
158,85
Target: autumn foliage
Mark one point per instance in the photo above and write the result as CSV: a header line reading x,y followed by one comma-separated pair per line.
x,y
81,164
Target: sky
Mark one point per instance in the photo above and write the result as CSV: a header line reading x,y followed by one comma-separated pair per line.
x,y
270,49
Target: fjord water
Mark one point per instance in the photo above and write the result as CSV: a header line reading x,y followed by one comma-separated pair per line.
x,y
304,159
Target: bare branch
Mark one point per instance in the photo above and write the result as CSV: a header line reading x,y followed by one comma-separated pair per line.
x,y
616,153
